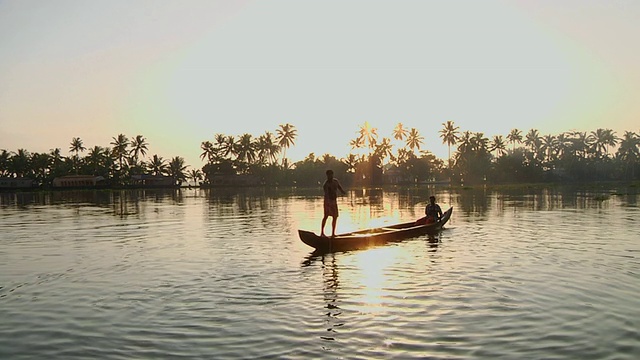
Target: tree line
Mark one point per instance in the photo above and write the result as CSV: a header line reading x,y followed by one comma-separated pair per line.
x,y
373,159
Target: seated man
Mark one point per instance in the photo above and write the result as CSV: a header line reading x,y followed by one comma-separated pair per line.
x,y
432,211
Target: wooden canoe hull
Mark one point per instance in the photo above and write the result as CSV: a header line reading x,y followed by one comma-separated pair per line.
x,y
371,237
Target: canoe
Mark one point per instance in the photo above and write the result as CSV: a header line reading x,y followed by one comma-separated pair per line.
x,y
362,239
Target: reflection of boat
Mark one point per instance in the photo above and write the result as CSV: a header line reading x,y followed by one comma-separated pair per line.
x,y
371,237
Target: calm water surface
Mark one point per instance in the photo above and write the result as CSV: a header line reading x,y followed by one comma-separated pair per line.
x,y
526,273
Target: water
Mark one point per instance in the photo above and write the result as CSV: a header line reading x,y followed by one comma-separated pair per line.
x,y
522,273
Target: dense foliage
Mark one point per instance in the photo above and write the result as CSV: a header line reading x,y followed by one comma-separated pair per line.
x,y
374,160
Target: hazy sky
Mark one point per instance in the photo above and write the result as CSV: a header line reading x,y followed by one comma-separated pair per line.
x,y
178,72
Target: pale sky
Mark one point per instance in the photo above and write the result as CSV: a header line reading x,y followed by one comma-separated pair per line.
x,y
178,72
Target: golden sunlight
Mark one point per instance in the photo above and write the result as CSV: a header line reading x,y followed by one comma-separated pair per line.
x,y
372,278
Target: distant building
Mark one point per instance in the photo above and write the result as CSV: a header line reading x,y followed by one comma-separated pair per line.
x,y
394,176
78,181
16,183
146,180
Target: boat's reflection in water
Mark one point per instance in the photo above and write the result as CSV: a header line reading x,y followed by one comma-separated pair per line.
x,y
360,281
330,285
433,240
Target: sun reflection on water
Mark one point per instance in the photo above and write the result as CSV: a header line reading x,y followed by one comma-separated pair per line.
x,y
371,280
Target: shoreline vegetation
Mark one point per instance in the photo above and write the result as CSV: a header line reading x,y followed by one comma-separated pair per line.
x,y
397,159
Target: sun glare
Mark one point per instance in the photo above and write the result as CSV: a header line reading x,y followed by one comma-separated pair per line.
x,y
372,278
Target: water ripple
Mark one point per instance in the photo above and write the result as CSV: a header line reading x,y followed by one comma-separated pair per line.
x,y
225,276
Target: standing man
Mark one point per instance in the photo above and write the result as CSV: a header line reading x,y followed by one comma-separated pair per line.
x,y
433,211
331,187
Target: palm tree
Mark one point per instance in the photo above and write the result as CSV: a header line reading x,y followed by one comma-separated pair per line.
x,y
369,135
138,146
286,136
19,163
220,143
465,146
120,144
601,139
549,146
479,142
498,145
208,151
403,156
195,175
563,143
532,140
399,132
39,164
414,139
109,161
177,169
384,149
579,144
76,146
230,147
357,143
55,160
351,161
95,159
449,136
135,166
266,148
629,151
246,149
157,165
515,136
5,157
